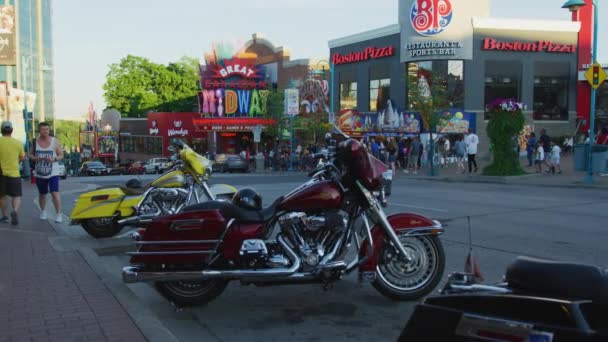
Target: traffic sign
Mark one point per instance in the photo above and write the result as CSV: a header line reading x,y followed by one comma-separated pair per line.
x,y
595,75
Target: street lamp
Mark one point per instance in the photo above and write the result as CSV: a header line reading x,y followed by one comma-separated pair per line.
x,y
574,6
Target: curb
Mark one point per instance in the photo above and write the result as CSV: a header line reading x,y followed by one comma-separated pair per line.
x,y
511,180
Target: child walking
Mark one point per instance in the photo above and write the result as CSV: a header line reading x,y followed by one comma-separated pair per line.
x,y
539,157
555,157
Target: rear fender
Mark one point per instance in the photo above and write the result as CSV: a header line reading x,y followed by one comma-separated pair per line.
x,y
404,223
222,189
97,204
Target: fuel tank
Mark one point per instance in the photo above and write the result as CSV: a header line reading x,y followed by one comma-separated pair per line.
x,y
313,196
174,179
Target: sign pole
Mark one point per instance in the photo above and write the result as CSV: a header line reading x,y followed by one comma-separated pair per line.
x,y
589,177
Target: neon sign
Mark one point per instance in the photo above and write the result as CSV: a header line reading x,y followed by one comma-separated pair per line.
x,y
230,89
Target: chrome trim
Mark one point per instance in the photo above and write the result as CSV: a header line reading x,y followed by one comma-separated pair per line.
x,y
171,253
133,274
420,231
186,242
217,246
376,208
478,288
175,225
355,263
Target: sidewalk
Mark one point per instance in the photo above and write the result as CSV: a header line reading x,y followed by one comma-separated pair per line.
x,y
568,179
46,295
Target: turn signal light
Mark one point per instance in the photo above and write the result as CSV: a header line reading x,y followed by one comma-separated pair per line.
x,y
100,198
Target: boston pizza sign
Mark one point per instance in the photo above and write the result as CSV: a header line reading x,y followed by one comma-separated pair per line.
x,y
431,17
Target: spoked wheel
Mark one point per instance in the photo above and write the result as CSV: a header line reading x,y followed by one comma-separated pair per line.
x,y
103,227
191,293
399,280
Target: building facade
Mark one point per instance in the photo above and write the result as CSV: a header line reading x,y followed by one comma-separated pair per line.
x,y
478,58
33,67
235,83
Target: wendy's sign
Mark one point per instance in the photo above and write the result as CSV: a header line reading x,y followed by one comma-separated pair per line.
x,y
233,88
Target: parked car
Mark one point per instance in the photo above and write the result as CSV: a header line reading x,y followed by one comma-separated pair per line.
x,y
62,171
219,163
93,168
137,168
236,163
156,165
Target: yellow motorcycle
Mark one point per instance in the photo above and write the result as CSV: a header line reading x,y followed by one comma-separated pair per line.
x,y
105,211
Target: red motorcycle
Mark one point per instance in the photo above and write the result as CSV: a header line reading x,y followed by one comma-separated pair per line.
x,y
303,237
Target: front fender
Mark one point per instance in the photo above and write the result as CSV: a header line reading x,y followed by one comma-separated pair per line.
x,y
404,223
222,189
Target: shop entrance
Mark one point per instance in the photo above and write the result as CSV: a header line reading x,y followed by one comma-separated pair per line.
x,y
234,142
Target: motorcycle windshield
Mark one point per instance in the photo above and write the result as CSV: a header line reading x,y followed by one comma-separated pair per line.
x,y
194,161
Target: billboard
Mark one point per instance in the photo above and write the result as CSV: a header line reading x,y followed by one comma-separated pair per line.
x,y
11,108
438,29
8,51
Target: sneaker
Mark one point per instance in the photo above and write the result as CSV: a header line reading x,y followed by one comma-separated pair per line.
x,y
14,220
43,215
4,219
59,218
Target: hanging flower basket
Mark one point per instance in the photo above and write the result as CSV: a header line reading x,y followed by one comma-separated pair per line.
x,y
505,123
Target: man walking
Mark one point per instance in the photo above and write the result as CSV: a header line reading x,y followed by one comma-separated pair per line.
x,y
472,141
11,154
46,154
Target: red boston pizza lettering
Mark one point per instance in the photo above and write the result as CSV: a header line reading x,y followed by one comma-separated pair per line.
x,y
517,46
368,53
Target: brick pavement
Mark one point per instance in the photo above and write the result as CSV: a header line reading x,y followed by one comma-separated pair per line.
x,y
47,295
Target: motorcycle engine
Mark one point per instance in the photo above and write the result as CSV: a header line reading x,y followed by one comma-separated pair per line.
x,y
169,200
313,236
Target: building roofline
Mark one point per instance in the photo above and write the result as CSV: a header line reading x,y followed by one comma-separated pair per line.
x,y
526,25
363,36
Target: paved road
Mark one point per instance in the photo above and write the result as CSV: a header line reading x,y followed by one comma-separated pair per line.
x,y
506,220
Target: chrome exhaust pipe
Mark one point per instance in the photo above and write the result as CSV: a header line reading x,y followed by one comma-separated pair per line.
x,y
133,221
132,274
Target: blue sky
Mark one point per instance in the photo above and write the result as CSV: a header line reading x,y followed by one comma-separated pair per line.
x,y
90,37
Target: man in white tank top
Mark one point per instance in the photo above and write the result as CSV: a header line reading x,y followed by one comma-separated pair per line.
x,y
46,154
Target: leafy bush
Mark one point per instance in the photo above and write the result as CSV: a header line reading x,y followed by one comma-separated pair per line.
x,y
505,122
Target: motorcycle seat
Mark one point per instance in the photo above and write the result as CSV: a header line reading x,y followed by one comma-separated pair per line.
x,y
230,211
136,191
561,279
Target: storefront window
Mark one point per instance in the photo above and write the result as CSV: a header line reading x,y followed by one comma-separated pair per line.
x,y
142,144
348,95
379,93
551,90
445,78
502,81
602,104
551,98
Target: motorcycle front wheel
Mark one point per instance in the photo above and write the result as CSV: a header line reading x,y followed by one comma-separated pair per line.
x,y
399,280
103,227
191,293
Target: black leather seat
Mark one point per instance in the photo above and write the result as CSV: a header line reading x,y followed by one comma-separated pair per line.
x,y
231,211
560,279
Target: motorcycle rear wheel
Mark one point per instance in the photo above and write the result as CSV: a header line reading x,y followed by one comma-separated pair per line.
x,y
191,293
100,228
409,281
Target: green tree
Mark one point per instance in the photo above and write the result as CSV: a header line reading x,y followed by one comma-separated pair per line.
x,y
276,112
67,132
429,98
136,85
